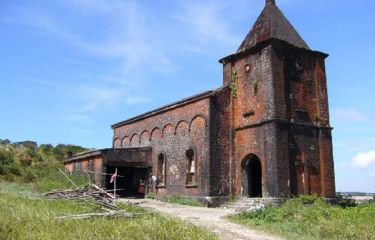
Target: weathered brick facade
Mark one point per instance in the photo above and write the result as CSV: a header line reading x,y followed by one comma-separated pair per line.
x,y
266,132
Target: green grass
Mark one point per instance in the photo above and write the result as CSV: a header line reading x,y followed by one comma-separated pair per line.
x,y
183,201
295,220
22,216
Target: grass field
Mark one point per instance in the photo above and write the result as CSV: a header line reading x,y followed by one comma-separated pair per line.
x,y
295,220
23,215
28,169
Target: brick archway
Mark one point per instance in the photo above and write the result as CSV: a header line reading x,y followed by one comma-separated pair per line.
x,y
251,176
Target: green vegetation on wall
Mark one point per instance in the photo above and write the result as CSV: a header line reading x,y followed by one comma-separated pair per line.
x,y
232,84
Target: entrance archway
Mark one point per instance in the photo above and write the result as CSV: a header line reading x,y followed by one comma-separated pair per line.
x,y
251,176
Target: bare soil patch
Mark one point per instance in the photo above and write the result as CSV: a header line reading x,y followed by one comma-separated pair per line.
x,y
211,218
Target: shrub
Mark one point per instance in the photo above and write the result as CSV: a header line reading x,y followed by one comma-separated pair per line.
x,y
6,155
316,220
345,201
26,162
27,175
12,169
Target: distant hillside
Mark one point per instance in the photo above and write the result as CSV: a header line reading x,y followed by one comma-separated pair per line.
x,y
29,152
26,161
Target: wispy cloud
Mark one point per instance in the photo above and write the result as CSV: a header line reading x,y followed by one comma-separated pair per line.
x,y
130,36
350,114
95,97
127,39
364,159
205,19
212,23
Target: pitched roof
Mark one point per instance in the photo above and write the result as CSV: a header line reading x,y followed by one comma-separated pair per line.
x,y
272,24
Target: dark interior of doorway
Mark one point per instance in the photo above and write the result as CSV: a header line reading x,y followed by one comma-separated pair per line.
x,y
255,178
128,181
252,176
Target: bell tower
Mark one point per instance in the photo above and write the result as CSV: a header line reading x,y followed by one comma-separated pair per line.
x,y
280,110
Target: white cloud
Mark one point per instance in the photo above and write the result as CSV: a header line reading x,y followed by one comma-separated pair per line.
x,y
350,114
372,174
364,159
207,20
95,97
127,36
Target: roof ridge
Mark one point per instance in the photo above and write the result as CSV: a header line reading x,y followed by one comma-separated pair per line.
x,y
272,23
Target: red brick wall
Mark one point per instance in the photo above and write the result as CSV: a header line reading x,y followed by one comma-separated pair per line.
x,y
172,133
284,116
253,104
93,164
221,144
302,101
98,168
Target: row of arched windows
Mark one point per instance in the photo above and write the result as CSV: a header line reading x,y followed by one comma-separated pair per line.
x,y
145,137
191,168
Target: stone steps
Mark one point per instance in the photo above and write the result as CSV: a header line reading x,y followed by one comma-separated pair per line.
x,y
250,204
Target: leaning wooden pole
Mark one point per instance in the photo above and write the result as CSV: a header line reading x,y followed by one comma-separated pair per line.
x,y
114,184
70,180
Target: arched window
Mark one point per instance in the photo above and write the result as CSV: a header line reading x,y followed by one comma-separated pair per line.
x,y
161,170
191,177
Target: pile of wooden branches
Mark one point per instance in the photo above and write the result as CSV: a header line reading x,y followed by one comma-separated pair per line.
x,y
101,197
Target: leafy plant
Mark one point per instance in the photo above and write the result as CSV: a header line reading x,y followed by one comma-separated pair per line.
x,y
345,201
232,84
318,119
255,86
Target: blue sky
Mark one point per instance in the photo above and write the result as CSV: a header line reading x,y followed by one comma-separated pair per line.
x,y
71,68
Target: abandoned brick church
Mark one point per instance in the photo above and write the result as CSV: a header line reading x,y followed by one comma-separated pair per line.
x,y
264,133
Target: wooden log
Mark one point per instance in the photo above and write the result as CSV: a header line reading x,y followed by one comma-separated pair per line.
x,y
110,214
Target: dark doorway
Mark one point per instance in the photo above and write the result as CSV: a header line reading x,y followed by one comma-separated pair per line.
x,y
252,176
128,181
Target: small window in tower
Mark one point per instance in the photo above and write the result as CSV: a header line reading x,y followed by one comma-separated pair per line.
x,y
161,170
247,68
191,168
298,66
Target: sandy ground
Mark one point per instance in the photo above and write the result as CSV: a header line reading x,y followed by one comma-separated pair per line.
x,y
211,218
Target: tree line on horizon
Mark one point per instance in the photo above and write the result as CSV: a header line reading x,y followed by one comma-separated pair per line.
x,y
25,160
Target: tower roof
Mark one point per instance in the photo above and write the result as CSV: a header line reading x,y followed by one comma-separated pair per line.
x,y
272,24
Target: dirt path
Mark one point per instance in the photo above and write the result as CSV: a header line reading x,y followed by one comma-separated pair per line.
x,y
211,218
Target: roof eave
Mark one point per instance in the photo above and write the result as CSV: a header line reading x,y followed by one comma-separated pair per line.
x,y
261,45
